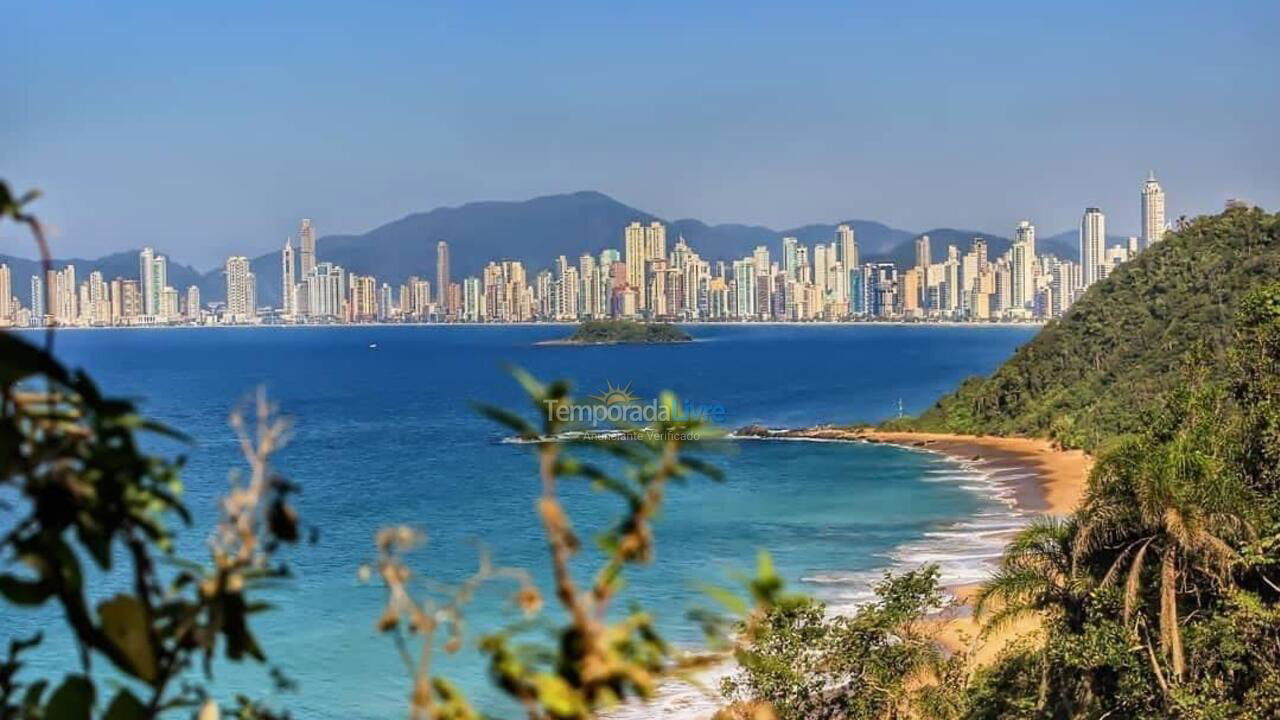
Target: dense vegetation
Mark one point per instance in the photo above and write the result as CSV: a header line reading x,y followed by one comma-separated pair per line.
x,y
597,332
1159,598
1095,373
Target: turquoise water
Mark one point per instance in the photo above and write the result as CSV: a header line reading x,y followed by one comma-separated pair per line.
x,y
388,435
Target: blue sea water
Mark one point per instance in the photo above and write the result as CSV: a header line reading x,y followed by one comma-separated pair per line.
x,y
389,434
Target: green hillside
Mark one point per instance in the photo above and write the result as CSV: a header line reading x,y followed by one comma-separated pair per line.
x,y
1090,375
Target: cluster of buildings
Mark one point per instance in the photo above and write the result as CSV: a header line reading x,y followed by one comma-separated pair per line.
x,y
645,279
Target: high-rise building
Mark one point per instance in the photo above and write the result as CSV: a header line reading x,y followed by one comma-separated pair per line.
x,y
169,303
288,281
325,290
364,300
655,241
153,277
307,246
1152,211
37,299
239,297
634,247
1024,280
846,247
150,300
923,254
130,300
193,303
790,262
442,275
6,295
1093,240
744,279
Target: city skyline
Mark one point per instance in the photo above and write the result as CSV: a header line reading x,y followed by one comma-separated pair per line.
x,y
642,280
775,116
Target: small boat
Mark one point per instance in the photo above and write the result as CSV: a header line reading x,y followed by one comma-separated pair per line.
x,y
373,346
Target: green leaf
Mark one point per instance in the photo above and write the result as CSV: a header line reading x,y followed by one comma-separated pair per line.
x,y
557,696
24,592
125,623
73,700
125,706
31,698
22,360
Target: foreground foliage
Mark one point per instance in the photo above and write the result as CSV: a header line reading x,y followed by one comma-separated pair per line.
x,y
884,661
81,497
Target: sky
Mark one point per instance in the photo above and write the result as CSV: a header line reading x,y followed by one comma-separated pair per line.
x,y
207,129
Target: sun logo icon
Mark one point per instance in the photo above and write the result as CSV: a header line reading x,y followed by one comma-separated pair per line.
x,y
615,395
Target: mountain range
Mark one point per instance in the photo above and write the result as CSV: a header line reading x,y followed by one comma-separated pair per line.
x,y
535,232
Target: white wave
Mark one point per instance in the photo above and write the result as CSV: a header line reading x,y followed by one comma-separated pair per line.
x,y
965,552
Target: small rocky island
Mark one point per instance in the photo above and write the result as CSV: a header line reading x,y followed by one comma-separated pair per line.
x,y
622,332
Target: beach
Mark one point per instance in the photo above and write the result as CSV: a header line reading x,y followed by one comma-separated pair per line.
x,y
1037,477
1053,481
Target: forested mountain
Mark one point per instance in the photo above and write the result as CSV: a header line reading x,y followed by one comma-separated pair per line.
x,y
1094,373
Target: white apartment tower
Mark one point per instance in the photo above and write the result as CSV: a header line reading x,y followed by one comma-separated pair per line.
x,y
1093,244
846,247
307,246
150,300
1152,211
923,254
6,294
193,303
288,280
442,274
634,248
239,295
1024,281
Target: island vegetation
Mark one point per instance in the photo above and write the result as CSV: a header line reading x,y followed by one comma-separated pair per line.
x,y
1158,598
620,332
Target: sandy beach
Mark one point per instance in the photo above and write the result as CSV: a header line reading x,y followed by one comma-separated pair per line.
x,y
1054,482
1050,481
1057,486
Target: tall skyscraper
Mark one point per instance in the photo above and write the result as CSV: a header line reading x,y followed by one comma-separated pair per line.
x,y
846,247
1025,235
1152,211
307,246
442,275
153,276
923,254
790,263
159,281
655,241
1093,242
6,294
634,246
37,298
288,280
150,300
239,295
193,302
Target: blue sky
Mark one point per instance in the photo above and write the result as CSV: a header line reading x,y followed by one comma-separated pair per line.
x,y
210,128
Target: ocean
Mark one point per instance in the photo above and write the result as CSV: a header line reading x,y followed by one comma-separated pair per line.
x,y
386,432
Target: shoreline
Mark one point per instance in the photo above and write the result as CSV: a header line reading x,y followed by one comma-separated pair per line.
x,y
1047,480
1043,479
1056,485
563,323
1053,481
